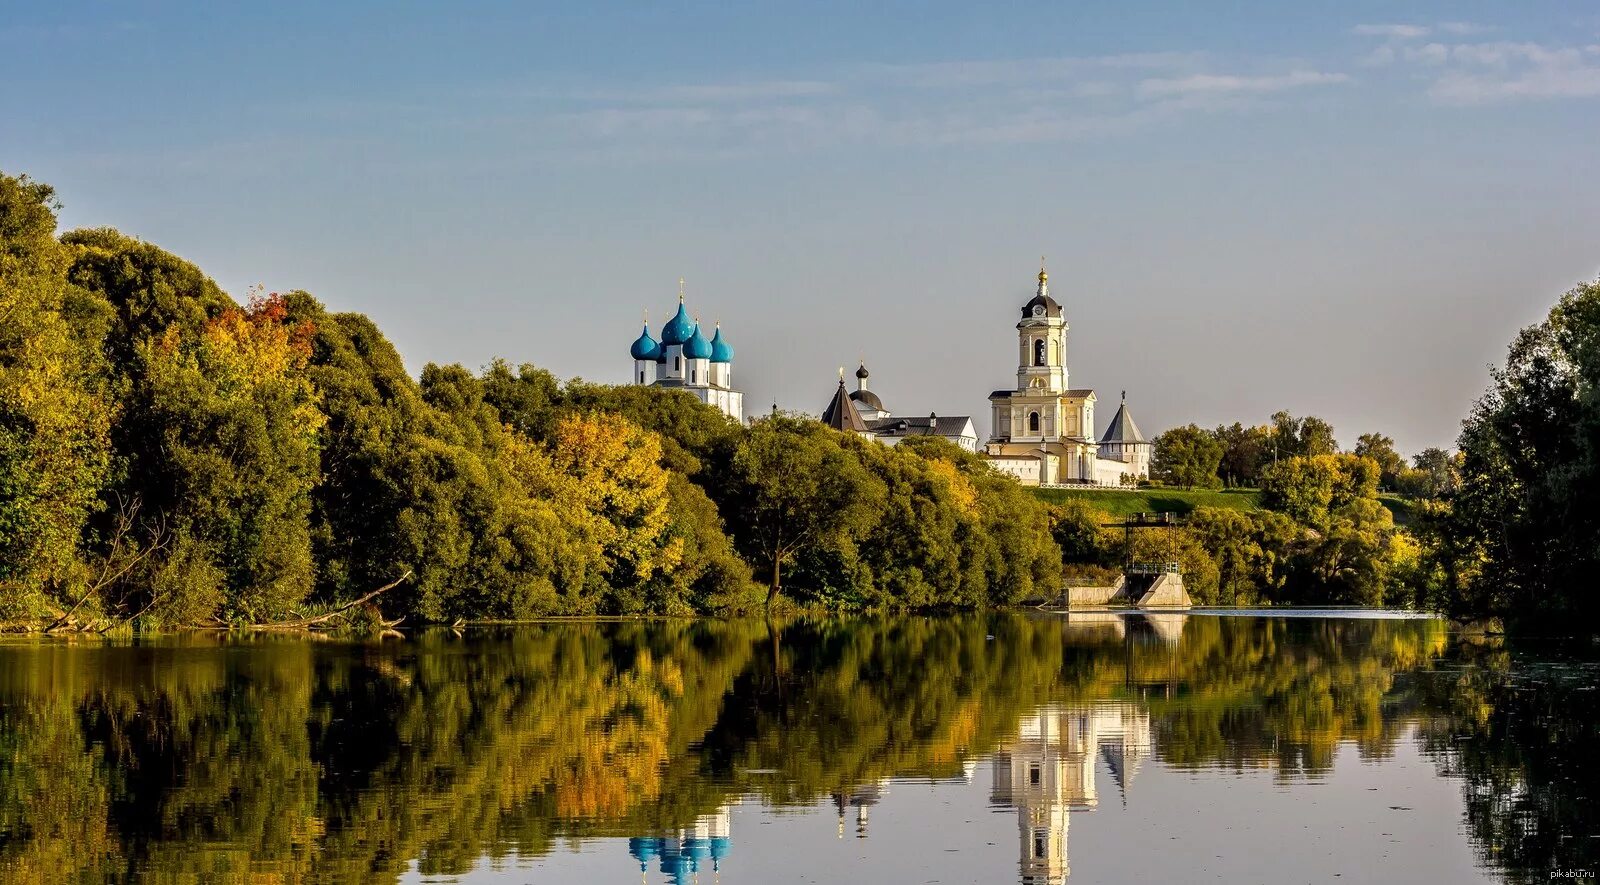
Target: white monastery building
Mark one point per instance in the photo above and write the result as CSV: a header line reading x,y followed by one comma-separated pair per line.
x,y
684,359
862,411
1043,431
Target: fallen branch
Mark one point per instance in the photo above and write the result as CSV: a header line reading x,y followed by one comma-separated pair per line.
x,y
327,616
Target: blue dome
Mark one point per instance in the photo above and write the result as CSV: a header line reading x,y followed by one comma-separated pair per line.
x,y
645,348
720,351
697,347
720,845
678,329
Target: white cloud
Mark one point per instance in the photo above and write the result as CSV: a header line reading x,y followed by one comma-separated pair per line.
x,y
1225,84
1463,29
1393,32
1479,73
1489,72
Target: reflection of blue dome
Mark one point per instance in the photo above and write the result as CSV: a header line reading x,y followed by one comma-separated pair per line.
x,y
720,351
697,849
643,849
697,347
720,846
678,329
675,864
645,348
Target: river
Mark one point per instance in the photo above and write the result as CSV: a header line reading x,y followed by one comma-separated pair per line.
x,y
968,748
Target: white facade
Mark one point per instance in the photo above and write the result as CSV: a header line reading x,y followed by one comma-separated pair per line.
x,y
1051,425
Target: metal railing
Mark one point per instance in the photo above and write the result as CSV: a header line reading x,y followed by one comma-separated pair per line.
x,y
1153,568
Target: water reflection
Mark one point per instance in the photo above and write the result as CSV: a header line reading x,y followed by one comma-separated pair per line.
x,y
582,747
1048,771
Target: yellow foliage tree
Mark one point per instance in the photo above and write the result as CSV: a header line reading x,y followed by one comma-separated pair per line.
x,y
617,477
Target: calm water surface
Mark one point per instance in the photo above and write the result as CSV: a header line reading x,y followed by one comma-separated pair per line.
x,y
982,748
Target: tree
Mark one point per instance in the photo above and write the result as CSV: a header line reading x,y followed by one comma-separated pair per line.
x,y
1187,456
1530,472
618,480
238,454
1245,451
1435,474
55,416
1310,489
1304,437
794,486
1380,449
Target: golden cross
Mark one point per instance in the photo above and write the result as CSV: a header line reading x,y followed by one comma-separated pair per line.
x,y
680,290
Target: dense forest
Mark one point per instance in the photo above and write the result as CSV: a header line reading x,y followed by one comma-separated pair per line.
x,y
170,456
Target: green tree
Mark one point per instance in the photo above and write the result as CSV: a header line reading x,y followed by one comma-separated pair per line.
x,y
1245,451
1304,437
795,486
1187,456
1380,449
1530,473
55,416
238,452
1309,489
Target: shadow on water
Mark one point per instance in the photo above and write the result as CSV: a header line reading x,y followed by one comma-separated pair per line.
x,y
285,759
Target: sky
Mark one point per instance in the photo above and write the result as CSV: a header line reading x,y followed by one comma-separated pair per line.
x,y
1341,209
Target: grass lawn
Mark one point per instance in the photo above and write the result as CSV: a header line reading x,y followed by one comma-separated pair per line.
x,y
1123,503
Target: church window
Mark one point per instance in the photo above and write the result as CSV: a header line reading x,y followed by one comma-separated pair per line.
x,y
1033,422
1038,352
677,364
641,376
694,376
1041,843
1033,775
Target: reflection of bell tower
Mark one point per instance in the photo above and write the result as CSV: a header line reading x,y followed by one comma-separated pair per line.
x,y
1048,771
1042,774
861,799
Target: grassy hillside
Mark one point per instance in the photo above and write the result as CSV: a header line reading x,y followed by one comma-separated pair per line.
x,y
1121,503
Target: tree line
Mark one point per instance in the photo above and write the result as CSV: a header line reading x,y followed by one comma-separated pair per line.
x,y
1237,456
170,456
1505,527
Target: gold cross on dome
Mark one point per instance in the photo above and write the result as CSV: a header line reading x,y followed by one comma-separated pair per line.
x,y
680,290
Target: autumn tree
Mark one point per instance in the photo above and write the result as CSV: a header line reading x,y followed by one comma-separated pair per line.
x,y
238,452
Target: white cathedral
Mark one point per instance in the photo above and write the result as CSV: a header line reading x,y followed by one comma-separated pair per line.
x,y
1043,431
684,359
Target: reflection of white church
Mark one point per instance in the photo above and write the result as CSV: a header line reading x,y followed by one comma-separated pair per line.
x,y
1048,771
1043,432
684,854
686,360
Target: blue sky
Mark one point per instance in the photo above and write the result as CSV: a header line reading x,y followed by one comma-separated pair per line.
x,y
1341,209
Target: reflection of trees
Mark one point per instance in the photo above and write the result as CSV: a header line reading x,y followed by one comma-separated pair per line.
x,y
282,759
1525,743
